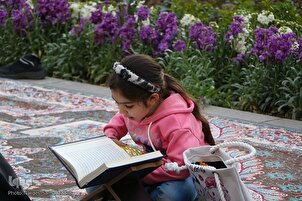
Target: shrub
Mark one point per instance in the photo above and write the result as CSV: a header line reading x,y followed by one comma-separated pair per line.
x,y
241,54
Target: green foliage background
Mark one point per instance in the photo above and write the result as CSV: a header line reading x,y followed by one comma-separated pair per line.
x,y
274,88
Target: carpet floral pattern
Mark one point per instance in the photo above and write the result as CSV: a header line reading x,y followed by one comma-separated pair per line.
x,y
33,118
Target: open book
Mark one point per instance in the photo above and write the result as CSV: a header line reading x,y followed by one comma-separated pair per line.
x,y
97,160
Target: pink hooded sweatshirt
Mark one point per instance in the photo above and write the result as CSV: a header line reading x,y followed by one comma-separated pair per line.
x,y
174,129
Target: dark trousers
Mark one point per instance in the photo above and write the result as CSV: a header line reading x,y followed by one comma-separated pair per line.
x,y
129,188
10,189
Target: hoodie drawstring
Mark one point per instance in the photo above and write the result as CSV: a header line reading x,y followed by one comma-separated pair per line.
x,y
149,138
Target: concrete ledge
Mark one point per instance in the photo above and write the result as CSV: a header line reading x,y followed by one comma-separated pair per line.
x,y
259,119
237,114
71,86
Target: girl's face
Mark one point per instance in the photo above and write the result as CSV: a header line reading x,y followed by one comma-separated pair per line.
x,y
135,110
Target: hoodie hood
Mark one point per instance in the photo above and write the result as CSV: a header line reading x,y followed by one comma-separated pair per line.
x,y
174,104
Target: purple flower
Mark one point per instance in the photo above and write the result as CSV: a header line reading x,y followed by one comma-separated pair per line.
x,y
263,57
20,13
235,28
107,2
78,29
122,12
280,46
269,45
160,36
97,15
148,34
163,45
203,36
167,20
239,59
20,23
167,25
21,19
3,17
13,4
300,48
127,33
260,46
179,45
53,11
143,12
107,29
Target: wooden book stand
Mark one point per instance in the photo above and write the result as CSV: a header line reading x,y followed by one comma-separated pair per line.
x,y
107,187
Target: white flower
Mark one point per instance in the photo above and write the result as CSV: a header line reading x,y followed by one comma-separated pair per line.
x,y
82,10
240,42
30,3
110,8
246,32
140,3
271,17
75,9
214,25
247,18
265,17
87,10
187,20
240,45
285,30
295,46
146,22
262,19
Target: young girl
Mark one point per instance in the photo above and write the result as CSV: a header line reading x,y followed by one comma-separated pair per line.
x,y
159,115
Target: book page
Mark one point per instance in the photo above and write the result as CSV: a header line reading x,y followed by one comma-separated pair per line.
x,y
86,156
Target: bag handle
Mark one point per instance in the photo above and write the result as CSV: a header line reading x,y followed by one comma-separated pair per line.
x,y
219,187
251,149
173,166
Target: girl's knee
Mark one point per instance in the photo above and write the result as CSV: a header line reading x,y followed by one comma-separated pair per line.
x,y
175,191
91,189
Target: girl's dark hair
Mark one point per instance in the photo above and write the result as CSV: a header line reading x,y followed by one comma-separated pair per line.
x,y
147,68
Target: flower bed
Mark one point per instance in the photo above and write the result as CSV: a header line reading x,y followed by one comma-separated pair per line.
x,y
249,61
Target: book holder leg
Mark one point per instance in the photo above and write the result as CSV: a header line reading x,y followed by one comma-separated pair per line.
x,y
112,192
108,187
100,192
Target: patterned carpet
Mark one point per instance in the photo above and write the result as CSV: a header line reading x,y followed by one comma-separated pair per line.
x,y
33,118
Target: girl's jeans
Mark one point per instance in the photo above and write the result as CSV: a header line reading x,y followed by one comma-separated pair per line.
x,y
183,190
180,190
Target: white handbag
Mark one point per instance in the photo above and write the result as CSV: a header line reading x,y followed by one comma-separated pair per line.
x,y
214,172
